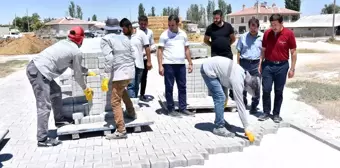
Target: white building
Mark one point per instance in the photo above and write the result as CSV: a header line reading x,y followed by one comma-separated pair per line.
x,y
63,25
315,25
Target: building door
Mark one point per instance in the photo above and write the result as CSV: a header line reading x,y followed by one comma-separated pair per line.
x,y
242,29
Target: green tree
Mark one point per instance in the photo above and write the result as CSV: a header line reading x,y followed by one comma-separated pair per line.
x,y
293,5
72,9
194,14
328,9
203,21
210,10
222,5
153,11
165,12
176,11
79,12
229,9
28,23
141,10
94,17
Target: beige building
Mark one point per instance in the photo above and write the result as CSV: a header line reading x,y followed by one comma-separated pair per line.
x,y
239,20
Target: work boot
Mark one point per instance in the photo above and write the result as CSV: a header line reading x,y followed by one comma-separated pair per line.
x,y
116,135
264,117
49,142
277,119
130,116
253,111
143,98
174,114
222,131
187,113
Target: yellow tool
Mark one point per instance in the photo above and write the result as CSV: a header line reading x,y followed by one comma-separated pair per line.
x,y
91,74
88,94
226,103
250,136
105,85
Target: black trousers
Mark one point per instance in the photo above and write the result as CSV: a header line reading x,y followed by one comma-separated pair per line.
x,y
144,79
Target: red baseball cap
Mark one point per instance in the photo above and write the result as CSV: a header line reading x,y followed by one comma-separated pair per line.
x,y
77,35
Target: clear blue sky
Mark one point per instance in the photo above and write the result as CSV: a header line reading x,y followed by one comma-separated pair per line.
x,y
122,8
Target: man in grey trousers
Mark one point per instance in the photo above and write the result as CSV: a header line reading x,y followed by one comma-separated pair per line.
x,y
41,72
220,74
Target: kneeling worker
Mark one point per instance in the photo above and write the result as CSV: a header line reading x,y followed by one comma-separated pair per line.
x,y
41,72
220,74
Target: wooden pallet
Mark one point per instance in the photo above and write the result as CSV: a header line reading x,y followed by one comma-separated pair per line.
x,y
195,104
105,127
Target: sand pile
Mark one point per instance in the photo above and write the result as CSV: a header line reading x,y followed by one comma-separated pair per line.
x,y
28,44
194,37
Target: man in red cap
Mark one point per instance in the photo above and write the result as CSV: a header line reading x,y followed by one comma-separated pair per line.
x,y
41,72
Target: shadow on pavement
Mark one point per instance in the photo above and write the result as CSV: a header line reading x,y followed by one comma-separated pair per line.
x,y
5,157
3,143
205,126
143,104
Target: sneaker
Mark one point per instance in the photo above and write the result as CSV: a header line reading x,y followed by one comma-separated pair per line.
x,y
277,119
174,114
116,135
143,98
223,132
264,117
253,111
187,112
49,142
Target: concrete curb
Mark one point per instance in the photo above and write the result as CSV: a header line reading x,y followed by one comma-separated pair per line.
x,y
316,135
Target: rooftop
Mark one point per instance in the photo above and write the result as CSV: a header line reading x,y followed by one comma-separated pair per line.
x,y
263,8
323,20
68,21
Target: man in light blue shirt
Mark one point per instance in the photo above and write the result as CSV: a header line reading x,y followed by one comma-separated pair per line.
x,y
249,48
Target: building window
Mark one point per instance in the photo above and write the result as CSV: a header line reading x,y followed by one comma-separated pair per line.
x,y
232,20
242,19
265,19
285,18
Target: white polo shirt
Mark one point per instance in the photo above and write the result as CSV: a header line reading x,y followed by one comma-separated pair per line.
x,y
149,35
174,46
138,41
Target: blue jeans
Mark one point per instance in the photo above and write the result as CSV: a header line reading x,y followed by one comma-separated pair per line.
x,y
252,68
176,72
133,86
277,74
216,88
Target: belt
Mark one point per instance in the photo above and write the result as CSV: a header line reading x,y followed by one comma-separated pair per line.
x,y
250,61
276,62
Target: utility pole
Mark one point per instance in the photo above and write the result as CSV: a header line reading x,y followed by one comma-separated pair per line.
x,y
333,34
28,21
257,9
15,21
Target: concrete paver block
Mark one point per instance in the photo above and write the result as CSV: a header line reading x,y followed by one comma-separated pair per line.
x,y
159,163
177,161
145,163
194,159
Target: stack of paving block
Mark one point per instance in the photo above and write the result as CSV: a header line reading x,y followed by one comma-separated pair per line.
x,y
75,104
196,88
199,51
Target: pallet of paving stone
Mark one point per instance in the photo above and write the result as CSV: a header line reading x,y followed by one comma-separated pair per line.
x,y
3,134
197,101
106,127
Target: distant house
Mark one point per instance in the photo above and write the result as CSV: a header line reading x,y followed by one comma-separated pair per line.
x,y
239,20
315,25
63,25
97,25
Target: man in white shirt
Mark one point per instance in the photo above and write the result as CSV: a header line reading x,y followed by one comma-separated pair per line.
x,y
143,24
172,51
139,42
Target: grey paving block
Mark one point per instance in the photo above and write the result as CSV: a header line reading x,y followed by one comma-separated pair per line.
x,y
133,166
194,159
201,151
159,163
270,128
177,161
77,116
144,163
121,163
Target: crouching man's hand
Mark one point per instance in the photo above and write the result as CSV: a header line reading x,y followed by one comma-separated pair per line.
x,y
105,85
88,94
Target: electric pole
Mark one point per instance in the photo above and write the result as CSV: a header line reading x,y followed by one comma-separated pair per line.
x,y
28,21
333,34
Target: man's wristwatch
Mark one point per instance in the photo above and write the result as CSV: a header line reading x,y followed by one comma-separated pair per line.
x,y
292,70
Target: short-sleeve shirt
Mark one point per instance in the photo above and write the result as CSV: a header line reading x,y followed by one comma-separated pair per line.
x,y
250,46
174,46
138,41
278,45
220,39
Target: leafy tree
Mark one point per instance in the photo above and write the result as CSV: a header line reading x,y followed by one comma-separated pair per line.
x,y
293,5
193,13
141,10
72,9
229,9
170,11
94,17
222,5
328,9
203,21
26,23
153,11
210,10
79,12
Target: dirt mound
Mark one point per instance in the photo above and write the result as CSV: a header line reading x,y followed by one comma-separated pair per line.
x,y
28,44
